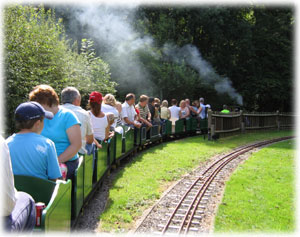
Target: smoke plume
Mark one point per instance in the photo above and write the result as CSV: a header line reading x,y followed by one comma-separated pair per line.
x,y
191,56
111,27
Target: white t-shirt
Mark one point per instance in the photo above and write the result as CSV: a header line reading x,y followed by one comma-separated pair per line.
x,y
128,111
10,192
108,108
99,126
86,123
174,112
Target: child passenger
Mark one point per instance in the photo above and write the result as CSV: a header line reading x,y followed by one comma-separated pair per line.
x,y
31,153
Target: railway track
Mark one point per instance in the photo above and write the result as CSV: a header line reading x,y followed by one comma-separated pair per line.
x,y
189,210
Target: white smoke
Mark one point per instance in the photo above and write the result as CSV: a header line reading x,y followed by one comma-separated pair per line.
x,y
190,55
112,28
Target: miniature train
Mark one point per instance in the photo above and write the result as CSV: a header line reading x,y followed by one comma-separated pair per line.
x,y
64,200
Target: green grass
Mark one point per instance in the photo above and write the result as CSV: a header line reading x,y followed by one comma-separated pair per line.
x,y
265,185
142,181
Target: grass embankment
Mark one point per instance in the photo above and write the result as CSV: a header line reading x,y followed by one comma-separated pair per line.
x,y
259,197
142,181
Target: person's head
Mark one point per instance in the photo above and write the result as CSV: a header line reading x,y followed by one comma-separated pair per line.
x,y
157,101
195,103
143,100
201,100
118,106
174,102
130,99
44,95
109,99
70,95
151,101
95,101
182,104
164,103
30,116
156,106
187,101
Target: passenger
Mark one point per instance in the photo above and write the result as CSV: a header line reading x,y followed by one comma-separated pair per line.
x,y
145,115
165,111
63,129
184,112
31,153
19,207
193,111
225,110
119,128
128,112
101,122
151,105
201,110
71,99
156,118
109,105
195,106
174,111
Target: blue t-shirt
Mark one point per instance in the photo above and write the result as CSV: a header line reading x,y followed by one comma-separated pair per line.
x,y
56,129
33,155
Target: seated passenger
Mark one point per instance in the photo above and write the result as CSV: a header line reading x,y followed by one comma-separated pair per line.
x,y
156,117
165,112
194,108
71,99
174,111
128,112
151,104
31,153
63,129
184,112
193,111
225,110
119,128
101,122
142,106
109,105
202,109
19,207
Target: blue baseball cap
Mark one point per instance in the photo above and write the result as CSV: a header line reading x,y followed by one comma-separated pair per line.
x,y
31,110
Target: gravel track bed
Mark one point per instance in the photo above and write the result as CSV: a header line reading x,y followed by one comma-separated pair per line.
x,y
156,217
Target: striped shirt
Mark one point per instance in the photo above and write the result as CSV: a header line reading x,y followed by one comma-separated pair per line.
x,y
143,111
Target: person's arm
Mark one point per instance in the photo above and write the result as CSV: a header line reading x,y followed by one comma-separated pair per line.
x,y
188,113
89,139
146,122
98,145
180,114
193,110
74,136
149,116
128,121
199,110
169,113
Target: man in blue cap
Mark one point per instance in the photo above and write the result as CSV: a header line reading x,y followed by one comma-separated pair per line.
x,y
31,153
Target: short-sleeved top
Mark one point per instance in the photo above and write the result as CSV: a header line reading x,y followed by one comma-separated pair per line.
x,y
99,126
108,108
33,155
202,113
165,114
174,112
184,111
86,123
7,177
56,129
143,111
128,111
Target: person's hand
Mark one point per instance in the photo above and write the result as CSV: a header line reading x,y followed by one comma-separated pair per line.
x,y
149,125
99,145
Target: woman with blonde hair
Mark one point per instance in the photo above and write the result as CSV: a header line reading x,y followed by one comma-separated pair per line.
x,y
165,112
109,106
184,111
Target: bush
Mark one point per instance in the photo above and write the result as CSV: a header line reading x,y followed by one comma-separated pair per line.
x,y
37,52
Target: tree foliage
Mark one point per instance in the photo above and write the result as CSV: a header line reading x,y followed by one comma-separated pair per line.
x,y
37,52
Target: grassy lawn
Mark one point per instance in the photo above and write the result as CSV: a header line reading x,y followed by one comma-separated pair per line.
x,y
265,185
142,181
